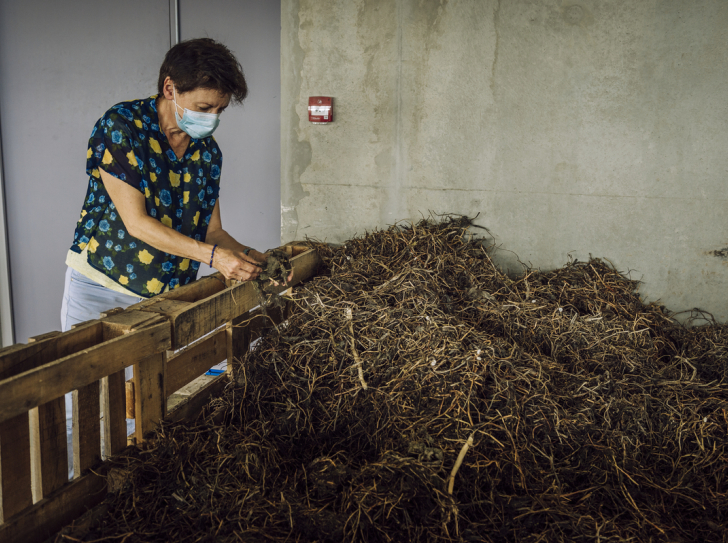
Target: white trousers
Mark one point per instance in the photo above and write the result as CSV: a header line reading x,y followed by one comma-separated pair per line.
x,y
83,300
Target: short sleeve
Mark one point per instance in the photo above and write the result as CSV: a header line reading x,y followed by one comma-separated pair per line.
x,y
111,148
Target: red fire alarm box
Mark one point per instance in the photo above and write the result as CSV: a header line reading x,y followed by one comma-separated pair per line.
x,y
320,109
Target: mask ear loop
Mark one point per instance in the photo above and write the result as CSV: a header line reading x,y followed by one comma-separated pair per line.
x,y
174,97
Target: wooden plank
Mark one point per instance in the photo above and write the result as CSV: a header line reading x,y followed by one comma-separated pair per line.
x,y
113,398
20,358
47,335
166,307
260,321
190,389
110,312
195,360
202,317
191,408
193,292
150,399
130,400
15,480
198,290
44,425
35,387
42,520
295,248
24,357
36,483
238,342
86,428
304,266
52,445
125,322
40,350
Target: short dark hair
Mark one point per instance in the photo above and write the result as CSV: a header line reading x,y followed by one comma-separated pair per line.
x,y
203,63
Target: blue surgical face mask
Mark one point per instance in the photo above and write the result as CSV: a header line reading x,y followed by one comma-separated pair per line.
x,y
195,123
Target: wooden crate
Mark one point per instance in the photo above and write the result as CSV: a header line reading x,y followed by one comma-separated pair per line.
x,y
169,340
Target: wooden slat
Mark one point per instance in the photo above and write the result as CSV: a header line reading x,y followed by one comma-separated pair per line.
x,y
149,394
86,428
189,408
195,360
20,358
130,404
53,445
295,248
15,490
47,417
238,342
42,520
113,398
110,312
48,335
198,290
166,307
202,317
258,321
27,390
36,482
193,292
119,324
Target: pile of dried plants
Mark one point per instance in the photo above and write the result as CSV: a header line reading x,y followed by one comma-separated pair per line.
x,y
417,393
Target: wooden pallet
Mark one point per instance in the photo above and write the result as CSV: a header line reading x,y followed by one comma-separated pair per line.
x,y
170,340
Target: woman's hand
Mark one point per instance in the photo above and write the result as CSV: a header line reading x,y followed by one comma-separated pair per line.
x,y
235,265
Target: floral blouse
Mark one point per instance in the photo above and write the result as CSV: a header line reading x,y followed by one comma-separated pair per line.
x,y
180,193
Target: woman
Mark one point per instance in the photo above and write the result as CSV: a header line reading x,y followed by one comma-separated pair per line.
x,y
152,211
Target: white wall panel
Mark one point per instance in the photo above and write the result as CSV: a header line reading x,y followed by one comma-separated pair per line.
x,y
62,64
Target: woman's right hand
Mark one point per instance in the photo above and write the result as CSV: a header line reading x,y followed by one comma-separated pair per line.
x,y
235,265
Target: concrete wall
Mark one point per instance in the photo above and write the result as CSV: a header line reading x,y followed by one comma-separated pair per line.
x,y
572,127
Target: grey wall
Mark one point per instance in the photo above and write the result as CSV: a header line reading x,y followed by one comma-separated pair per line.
x,y
62,64
572,127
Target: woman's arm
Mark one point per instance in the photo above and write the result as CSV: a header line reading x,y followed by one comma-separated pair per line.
x,y
216,234
131,207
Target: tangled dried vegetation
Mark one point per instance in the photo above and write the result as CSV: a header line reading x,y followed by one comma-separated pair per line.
x,y
419,394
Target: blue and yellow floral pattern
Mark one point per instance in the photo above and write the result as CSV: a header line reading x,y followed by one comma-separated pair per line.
x,y
179,192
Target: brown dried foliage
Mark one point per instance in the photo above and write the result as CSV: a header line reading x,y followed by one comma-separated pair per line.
x,y
594,416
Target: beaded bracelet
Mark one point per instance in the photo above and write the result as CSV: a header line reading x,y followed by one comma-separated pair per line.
x,y
213,254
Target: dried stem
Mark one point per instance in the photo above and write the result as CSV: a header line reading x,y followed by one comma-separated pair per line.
x,y
456,467
354,352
